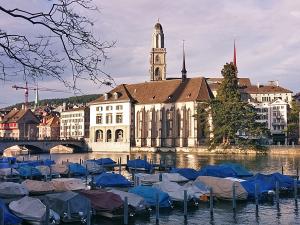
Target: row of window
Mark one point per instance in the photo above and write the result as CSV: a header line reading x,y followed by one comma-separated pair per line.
x,y
72,127
72,120
109,118
72,115
278,127
79,133
109,108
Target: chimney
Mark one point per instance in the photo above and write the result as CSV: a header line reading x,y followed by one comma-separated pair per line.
x,y
277,83
23,107
258,85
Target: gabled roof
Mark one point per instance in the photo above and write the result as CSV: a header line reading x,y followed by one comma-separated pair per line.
x,y
51,121
17,114
265,89
166,91
215,82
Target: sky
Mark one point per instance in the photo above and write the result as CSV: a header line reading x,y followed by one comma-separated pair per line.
x,y
267,34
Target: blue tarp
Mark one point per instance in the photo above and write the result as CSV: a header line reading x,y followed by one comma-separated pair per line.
x,y
238,169
188,173
217,171
48,162
28,171
9,218
105,161
111,180
139,164
4,165
77,169
8,160
149,194
266,183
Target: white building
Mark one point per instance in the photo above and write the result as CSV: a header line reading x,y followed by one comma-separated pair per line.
x,y
74,123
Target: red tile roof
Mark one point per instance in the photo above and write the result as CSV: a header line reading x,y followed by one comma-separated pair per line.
x,y
265,89
167,91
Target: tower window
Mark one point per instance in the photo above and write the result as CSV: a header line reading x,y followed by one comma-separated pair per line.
x,y
157,59
157,72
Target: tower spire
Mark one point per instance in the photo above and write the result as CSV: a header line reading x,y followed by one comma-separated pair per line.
x,y
234,54
183,71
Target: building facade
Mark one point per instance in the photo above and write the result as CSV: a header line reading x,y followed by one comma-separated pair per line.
x,y
19,124
75,123
49,128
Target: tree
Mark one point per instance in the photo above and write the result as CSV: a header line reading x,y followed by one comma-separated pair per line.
x,y
293,123
66,44
231,116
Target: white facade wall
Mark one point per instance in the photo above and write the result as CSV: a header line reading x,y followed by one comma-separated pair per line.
x,y
72,124
271,97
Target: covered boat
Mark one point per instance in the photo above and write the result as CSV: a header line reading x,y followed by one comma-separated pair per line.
x,y
149,179
105,161
9,218
27,171
5,165
8,172
61,169
69,205
267,183
140,165
44,170
104,203
223,188
240,170
197,190
150,194
188,173
217,171
33,211
67,184
36,187
10,190
111,180
136,202
75,169
93,167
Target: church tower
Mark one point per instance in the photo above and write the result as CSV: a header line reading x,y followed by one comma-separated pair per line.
x,y
158,55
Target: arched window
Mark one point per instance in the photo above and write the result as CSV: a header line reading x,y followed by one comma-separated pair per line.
x,y
99,135
108,136
157,59
157,73
119,135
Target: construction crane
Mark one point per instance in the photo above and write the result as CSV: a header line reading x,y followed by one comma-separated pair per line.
x,y
26,88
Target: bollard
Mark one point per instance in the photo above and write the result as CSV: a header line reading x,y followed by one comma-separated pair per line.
x,y
211,201
31,177
160,177
11,171
256,197
69,171
126,210
185,205
86,175
297,173
23,159
1,216
277,193
137,181
295,190
80,161
50,156
88,216
50,172
69,210
282,170
47,215
127,158
120,166
233,197
157,209
145,158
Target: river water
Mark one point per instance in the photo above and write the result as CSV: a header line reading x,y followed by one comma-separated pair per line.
x,y
287,213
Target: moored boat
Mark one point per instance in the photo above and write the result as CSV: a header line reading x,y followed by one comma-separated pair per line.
x,y
67,184
36,187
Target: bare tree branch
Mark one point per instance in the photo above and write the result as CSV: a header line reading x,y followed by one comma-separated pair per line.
x,y
69,46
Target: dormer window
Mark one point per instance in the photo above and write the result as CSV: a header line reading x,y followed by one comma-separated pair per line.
x,y
116,95
106,96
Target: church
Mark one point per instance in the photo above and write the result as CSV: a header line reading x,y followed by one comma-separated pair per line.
x,y
159,113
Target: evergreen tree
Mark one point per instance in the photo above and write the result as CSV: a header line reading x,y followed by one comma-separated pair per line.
x,y
231,116
293,123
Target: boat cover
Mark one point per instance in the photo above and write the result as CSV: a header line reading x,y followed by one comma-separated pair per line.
x,y
62,169
102,200
4,165
31,209
150,193
28,171
8,172
44,170
38,187
12,190
217,171
76,169
105,161
111,180
67,184
11,160
48,162
196,189
266,183
238,169
174,190
9,218
134,200
153,178
69,204
140,164
93,167
222,188
188,173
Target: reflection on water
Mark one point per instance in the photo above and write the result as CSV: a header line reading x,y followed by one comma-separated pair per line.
x,y
246,213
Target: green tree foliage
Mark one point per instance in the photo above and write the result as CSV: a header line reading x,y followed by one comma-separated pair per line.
x,y
230,115
293,123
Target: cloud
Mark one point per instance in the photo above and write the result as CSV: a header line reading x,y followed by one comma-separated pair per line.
x,y
267,35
